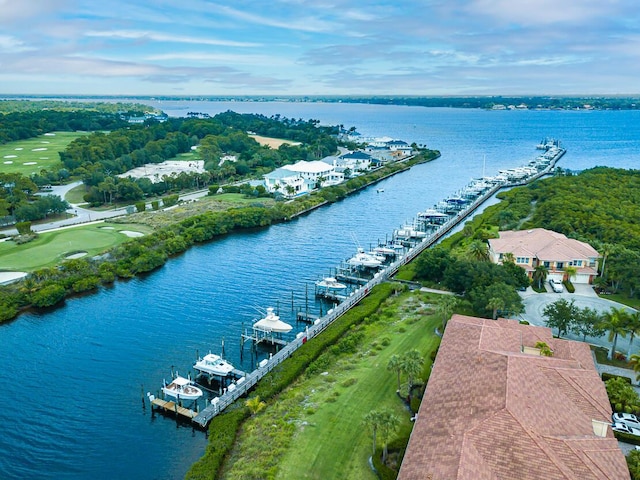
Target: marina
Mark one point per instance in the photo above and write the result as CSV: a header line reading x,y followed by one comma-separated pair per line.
x,y
367,271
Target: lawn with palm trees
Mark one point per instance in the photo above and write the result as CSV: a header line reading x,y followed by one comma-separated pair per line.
x,y
318,427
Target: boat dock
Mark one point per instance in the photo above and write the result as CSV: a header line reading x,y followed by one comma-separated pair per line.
x,y
542,166
307,317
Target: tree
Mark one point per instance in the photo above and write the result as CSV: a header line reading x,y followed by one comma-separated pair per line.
x,y
290,190
634,361
373,419
622,396
478,250
508,258
412,363
445,308
255,405
587,323
544,349
614,321
495,304
540,274
633,327
388,425
570,272
395,365
560,314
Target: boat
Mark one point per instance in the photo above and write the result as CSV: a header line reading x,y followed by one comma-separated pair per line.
x,y
362,259
213,364
380,190
271,323
181,389
408,231
330,284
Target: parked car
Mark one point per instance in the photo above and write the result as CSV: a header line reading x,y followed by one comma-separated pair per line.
x,y
556,285
624,428
628,419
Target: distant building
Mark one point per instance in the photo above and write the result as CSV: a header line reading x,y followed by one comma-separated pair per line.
x,y
555,251
495,408
302,177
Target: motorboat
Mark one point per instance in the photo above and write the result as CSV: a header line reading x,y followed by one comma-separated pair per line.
x,y
181,389
213,364
271,323
330,284
408,231
362,259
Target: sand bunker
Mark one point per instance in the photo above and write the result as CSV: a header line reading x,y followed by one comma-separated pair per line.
x,y
106,228
11,156
75,255
8,163
49,134
44,158
19,148
38,149
30,163
131,234
8,277
45,141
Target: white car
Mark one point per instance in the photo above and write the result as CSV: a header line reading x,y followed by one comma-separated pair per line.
x,y
556,285
628,419
624,428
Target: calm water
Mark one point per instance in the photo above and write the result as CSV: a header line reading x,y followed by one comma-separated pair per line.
x,y
74,376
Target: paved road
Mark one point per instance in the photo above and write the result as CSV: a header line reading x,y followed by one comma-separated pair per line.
x,y
584,296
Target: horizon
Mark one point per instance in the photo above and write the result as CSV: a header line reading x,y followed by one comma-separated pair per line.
x,y
288,48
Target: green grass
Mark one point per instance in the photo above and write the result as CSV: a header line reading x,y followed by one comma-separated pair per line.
x,y
52,247
315,430
28,151
623,299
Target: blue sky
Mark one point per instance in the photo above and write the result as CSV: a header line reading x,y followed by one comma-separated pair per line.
x,y
320,47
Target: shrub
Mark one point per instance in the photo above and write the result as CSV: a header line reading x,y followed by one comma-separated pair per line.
x,y
170,200
155,205
141,206
48,296
608,376
23,228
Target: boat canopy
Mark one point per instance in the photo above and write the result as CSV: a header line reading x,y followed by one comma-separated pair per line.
x,y
271,323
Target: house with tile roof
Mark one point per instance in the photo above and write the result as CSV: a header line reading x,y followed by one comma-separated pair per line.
x,y
555,251
495,408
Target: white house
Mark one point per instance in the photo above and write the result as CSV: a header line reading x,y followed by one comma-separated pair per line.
x,y
302,177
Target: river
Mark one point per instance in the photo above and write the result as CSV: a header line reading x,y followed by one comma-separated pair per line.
x,y
75,376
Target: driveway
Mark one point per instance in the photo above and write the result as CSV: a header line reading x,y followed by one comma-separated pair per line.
x,y
584,296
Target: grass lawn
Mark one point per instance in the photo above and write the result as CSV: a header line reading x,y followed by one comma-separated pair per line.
x,y
35,154
623,299
315,428
51,248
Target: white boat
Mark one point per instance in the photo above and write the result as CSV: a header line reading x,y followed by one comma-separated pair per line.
x,y
384,251
182,389
408,231
271,323
213,364
362,259
331,284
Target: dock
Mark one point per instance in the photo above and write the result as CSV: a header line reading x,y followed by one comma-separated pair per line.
x,y
317,325
307,317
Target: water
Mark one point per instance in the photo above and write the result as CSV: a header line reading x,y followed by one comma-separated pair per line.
x,y
74,377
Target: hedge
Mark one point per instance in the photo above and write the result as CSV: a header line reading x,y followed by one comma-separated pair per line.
x,y
224,428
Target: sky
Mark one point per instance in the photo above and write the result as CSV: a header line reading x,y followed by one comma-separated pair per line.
x,y
320,47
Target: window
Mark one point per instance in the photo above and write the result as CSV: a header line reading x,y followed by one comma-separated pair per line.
x,y
546,264
559,265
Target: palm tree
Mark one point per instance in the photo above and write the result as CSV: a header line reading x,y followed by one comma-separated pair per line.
x,y
615,322
495,304
412,362
570,272
255,405
395,365
508,258
373,419
540,274
606,251
634,361
445,308
633,327
478,250
388,425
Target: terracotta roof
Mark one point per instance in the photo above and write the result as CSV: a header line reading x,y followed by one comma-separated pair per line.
x,y
492,412
543,244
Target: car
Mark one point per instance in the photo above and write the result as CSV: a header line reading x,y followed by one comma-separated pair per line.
x,y
556,285
628,419
624,428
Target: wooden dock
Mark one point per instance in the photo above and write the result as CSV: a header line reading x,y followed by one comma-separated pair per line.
x,y
351,279
307,317
173,407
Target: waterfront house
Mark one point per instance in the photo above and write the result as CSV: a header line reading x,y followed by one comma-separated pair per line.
x,y
555,251
301,177
357,161
495,407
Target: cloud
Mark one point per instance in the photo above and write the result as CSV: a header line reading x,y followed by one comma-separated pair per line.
x,y
11,44
163,37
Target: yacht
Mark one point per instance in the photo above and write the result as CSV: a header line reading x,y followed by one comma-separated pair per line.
x,y
362,259
213,364
330,284
181,389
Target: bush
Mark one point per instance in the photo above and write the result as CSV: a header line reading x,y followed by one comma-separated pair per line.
x,y
608,376
141,206
23,228
155,205
170,200
569,286
48,296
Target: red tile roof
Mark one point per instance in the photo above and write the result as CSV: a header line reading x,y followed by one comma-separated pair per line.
x,y
492,412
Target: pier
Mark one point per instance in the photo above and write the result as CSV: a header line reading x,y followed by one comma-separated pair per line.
x,y
541,167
